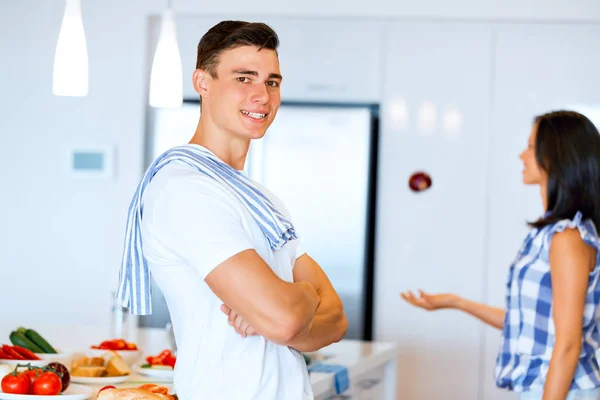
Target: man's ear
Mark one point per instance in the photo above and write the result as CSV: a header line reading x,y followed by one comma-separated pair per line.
x,y
200,81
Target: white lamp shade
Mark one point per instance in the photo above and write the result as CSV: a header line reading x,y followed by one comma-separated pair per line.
x,y
166,81
70,76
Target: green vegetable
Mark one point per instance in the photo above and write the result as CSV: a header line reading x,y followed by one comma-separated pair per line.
x,y
39,341
18,339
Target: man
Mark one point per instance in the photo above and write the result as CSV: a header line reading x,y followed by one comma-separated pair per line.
x,y
243,296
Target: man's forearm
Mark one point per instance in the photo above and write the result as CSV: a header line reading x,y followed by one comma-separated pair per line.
x,y
329,325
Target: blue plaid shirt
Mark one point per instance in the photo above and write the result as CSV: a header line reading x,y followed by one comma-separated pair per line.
x,y
528,334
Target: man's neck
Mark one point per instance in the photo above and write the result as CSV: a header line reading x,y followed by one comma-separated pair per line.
x,y
230,149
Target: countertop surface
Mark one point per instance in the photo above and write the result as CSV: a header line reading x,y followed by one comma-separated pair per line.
x,y
358,356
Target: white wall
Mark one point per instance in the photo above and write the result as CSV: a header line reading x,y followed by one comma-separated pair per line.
x,y
578,10
61,238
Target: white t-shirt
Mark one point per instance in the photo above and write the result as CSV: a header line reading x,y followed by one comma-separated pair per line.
x,y
191,224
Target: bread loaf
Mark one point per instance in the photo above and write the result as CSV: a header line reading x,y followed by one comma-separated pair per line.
x,y
117,367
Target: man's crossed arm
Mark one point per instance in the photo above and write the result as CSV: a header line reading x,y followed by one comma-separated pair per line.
x,y
305,315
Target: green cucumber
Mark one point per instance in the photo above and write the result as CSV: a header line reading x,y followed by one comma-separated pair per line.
x,y
22,330
39,341
18,339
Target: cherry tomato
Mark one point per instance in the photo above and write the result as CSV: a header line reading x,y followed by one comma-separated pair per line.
x,y
106,345
63,374
119,344
131,346
47,384
33,374
16,384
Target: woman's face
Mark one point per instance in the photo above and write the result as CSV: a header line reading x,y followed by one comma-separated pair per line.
x,y
532,173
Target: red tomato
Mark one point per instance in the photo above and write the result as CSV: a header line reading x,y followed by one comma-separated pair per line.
x,y
119,344
33,374
106,345
131,346
16,384
48,383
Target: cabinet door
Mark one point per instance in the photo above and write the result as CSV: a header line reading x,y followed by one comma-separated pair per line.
x,y
539,68
435,118
190,30
329,60
321,60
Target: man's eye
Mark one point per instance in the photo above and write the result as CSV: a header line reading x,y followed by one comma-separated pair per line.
x,y
273,83
243,79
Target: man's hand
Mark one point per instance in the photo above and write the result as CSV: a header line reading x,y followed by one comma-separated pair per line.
x,y
235,320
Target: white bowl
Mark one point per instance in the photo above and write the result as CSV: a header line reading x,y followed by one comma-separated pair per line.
x,y
129,356
33,363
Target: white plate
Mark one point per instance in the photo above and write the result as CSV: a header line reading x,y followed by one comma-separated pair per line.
x,y
100,380
73,392
34,363
129,356
159,373
60,355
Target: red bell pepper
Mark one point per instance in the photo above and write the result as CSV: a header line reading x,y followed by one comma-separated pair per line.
x,y
25,353
8,350
5,356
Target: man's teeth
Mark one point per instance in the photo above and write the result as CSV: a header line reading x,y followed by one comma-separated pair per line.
x,y
254,115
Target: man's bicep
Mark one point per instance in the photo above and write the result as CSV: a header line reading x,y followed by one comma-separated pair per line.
x,y
250,287
308,270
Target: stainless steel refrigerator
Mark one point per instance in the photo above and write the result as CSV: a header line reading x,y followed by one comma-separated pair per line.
x,y
321,160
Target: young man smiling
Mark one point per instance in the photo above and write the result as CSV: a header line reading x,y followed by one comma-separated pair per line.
x,y
244,298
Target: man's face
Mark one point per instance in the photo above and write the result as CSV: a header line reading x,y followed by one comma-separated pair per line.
x,y
244,98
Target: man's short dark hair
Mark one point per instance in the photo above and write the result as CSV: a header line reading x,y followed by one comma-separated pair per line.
x,y
227,35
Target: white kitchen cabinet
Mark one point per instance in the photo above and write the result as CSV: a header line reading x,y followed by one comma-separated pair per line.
x,y
190,30
330,60
321,60
435,117
538,68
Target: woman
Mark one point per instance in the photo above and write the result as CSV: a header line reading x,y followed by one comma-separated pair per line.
x,y
549,326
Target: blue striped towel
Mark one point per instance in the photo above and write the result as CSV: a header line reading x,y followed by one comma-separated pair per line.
x,y
134,277
341,378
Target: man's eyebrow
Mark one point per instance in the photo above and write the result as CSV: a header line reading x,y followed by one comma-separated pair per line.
x,y
255,73
245,72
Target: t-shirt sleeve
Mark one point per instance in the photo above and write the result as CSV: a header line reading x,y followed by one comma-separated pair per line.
x,y
295,247
196,221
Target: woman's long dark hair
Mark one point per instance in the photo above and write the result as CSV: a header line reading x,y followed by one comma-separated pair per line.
x,y
567,148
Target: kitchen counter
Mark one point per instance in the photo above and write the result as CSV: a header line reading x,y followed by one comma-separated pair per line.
x,y
371,365
371,371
